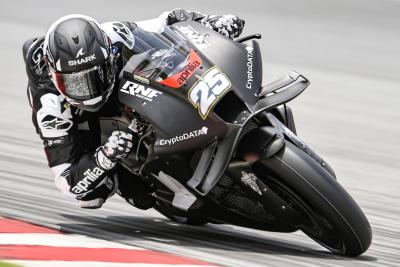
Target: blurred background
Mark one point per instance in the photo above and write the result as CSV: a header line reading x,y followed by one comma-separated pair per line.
x,y
350,114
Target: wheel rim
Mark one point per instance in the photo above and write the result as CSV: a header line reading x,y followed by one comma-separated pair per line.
x,y
315,226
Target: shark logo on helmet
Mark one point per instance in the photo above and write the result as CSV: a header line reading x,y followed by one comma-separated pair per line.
x,y
80,53
82,60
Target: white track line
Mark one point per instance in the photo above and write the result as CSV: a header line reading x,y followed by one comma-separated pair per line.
x,y
59,240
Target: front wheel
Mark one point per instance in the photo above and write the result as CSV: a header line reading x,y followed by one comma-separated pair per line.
x,y
332,217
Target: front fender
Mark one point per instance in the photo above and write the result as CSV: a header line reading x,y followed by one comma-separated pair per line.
x,y
261,142
265,141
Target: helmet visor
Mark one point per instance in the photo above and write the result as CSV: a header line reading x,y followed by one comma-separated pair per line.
x,y
86,84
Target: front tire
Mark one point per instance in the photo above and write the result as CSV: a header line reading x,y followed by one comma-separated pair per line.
x,y
332,217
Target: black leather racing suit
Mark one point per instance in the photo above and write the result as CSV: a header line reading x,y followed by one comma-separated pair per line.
x,y
71,136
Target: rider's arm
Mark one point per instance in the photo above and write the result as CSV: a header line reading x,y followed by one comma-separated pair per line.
x,y
75,168
228,25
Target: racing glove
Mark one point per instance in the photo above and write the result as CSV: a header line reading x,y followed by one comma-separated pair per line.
x,y
117,147
228,25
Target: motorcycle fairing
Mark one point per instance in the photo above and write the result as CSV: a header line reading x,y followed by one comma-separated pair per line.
x,y
221,51
208,173
163,112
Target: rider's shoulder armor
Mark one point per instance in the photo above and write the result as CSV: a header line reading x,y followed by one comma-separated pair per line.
x,y
36,69
52,113
34,59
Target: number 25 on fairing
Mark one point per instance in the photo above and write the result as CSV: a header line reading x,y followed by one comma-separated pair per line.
x,y
206,92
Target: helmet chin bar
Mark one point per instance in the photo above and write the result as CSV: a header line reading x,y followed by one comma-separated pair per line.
x,y
91,105
93,101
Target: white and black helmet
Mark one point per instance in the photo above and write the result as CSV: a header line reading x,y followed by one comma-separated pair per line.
x,y
80,61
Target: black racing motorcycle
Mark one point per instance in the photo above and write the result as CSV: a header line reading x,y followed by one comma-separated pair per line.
x,y
218,147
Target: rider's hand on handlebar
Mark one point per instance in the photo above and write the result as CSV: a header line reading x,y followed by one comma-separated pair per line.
x,y
117,147
228,25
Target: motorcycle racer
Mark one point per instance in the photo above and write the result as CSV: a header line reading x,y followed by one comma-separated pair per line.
x,y
72,73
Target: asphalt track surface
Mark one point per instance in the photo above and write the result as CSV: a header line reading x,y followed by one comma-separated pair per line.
x,y
350,114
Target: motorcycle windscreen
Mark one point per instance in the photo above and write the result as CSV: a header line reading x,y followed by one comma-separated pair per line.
x,y
160,57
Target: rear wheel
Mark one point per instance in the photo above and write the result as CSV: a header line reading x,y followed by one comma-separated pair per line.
x,y
332,218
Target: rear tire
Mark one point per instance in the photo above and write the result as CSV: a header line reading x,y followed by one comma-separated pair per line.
x,y
333,218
